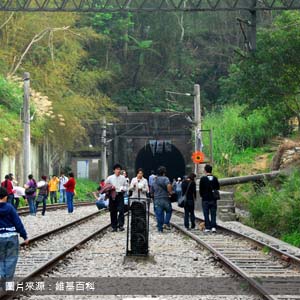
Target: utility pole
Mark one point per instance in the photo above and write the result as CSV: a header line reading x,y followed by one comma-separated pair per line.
x,y
197,112
104,151
26,127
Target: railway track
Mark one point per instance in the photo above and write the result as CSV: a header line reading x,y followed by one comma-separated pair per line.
x,y
47,249
173,258
25,210
273,273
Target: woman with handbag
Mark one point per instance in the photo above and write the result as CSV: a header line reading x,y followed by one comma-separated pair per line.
x,y
30,192
189,191
43,194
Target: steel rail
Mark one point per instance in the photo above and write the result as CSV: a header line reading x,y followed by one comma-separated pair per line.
x,y
57,259
61,228
262,244
259,288
25,210
230,263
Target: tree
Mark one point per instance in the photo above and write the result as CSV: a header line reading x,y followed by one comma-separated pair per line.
x,y
271,76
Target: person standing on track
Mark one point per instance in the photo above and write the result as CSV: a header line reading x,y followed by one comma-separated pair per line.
x,y
7,183
10,226
161,189
208,183
151,179
53,183
189,190
139,185
70,190
19,192
62,190
30,191
126,193
43,194
116,205
178,187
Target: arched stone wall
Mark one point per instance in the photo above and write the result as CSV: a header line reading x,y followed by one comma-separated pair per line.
x,y
135,130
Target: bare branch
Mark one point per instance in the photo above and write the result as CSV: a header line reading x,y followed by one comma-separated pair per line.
x,y
34,40
9,18
180,20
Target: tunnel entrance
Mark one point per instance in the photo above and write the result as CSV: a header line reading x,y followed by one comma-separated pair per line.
x,y
172,160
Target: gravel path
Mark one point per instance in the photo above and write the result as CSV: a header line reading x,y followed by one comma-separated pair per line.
x,y
173,255
39,224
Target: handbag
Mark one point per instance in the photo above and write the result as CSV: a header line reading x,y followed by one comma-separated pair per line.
x,y
182,199
173,197
30,191
216,195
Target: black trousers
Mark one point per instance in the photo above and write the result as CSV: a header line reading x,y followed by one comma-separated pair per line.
x,y
116,208
189,213
210,213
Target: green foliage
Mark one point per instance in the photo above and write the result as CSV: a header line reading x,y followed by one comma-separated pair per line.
x,y
62,68
10,131
236,136
11,101
84,188
10,95
270,77
276,209
292,238
266,212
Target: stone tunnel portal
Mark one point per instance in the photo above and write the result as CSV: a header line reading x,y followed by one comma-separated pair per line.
x,y
150,160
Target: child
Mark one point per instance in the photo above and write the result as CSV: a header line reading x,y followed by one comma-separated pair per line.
x,y
10,226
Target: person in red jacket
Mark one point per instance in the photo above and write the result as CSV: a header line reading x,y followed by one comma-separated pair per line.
x,y
70,189
7,183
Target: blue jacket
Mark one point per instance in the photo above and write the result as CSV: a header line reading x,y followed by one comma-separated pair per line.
x,y
10,220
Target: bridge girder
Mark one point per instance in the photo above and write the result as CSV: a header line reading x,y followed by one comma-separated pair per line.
x,y
146,5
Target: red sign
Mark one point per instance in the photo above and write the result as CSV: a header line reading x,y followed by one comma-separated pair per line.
x,y
198,157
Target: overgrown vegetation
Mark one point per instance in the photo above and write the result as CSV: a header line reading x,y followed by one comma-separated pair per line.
x,y
238,138
275,208
84,189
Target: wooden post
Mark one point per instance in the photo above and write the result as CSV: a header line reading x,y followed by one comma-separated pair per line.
x,y
26,127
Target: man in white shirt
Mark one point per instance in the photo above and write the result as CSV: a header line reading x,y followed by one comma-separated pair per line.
x,y
116,206
62,190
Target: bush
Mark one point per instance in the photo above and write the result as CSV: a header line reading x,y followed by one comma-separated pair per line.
x,y
84,189
292,238
265,212
276,211
235,134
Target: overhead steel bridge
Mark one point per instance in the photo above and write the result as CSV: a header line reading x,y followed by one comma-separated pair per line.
x,y
146,5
